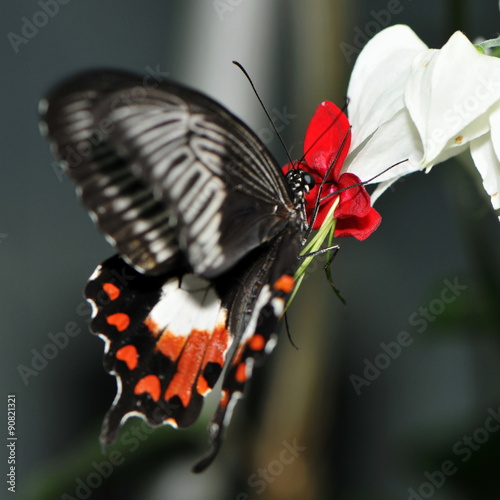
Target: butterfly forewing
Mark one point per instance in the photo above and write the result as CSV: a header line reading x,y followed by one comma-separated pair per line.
x,y
120,202
166,168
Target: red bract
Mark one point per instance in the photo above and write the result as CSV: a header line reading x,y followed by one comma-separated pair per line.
x,y
327,143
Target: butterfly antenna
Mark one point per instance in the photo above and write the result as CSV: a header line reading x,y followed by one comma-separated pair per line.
x,y
236,63
364,182
324,181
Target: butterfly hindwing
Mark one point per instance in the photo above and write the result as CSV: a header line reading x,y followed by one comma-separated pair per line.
x,y
168,337
255,312
166,342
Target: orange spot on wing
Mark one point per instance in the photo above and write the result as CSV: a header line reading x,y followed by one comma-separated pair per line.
x,y
128,354
224,400
112,290
257,342
171,345
459,139
284,283
188,367
241,373
150,384
202,386
120,320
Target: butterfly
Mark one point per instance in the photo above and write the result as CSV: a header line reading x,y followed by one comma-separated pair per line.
x,y
207,230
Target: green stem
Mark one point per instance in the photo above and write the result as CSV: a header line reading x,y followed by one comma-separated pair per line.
x,y
325,232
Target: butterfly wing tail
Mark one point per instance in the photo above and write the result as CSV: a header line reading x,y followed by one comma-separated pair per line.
x,y
257,342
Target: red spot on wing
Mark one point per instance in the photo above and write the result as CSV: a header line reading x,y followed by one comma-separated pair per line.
x,y
120,320
171,345
128,354
188,367
285,283
149,384
112,290
241,373
257,342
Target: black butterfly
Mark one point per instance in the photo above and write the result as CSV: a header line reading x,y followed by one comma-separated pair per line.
x,y
208,232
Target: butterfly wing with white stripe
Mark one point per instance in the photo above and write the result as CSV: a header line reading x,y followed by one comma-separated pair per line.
x,y
121,204
166,168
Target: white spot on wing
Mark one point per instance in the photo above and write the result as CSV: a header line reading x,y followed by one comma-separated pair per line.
x,y
193,305
263,298
93,305
97,272
278,306
271,344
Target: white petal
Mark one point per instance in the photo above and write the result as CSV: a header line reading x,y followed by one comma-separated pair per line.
x,y
448,91
395,140
488,164
495,128
460,143
377,81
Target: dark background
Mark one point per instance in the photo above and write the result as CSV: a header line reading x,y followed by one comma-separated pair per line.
x,y
404,425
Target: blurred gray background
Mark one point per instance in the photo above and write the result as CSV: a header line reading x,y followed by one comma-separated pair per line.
x,y
377,444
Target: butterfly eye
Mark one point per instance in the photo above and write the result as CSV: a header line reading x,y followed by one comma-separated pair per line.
x,y
309,181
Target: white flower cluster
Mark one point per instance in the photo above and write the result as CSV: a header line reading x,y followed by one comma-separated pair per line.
x,y
426,105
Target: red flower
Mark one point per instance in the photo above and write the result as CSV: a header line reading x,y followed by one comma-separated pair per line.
x,y
327,142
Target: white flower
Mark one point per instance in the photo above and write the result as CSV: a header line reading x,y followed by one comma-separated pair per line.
x,y
426,105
